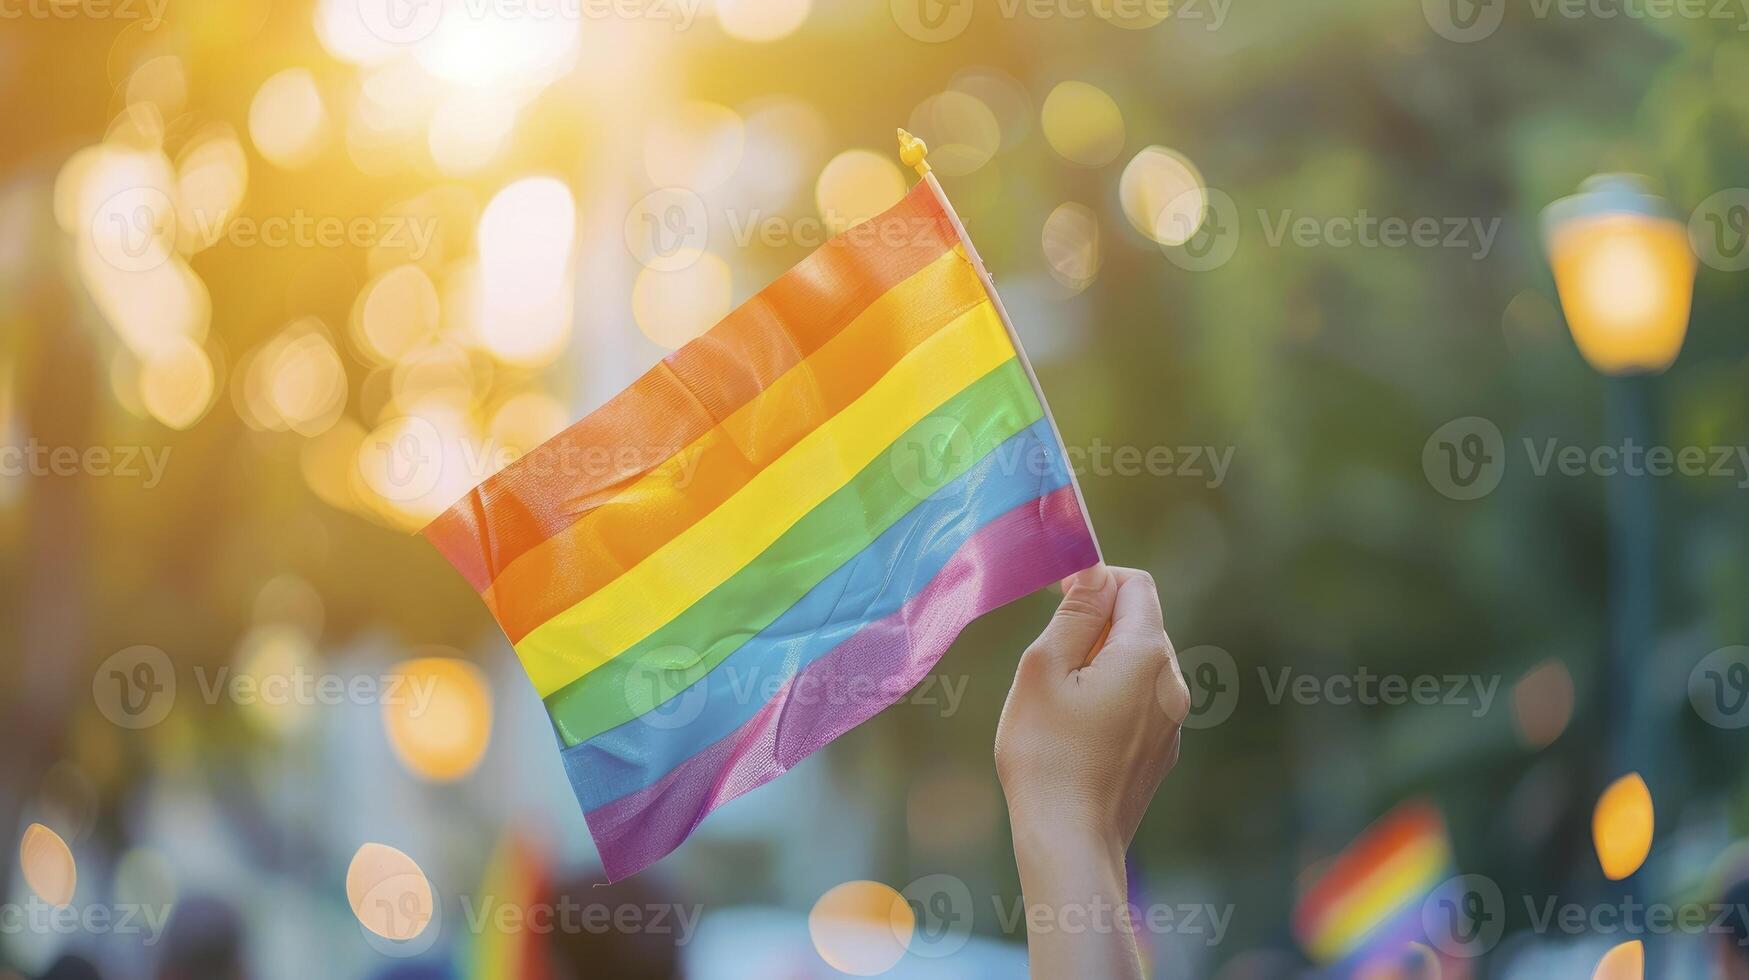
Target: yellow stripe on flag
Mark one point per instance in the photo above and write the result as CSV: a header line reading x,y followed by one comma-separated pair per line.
x,y
708,553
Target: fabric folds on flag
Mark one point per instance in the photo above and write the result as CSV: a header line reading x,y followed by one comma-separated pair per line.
x,y
776,532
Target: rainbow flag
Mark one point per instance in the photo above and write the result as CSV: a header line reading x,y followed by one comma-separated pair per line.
x,y
515,880
777,531
1366,908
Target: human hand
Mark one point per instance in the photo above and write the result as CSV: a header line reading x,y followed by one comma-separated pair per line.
x,y
1091,725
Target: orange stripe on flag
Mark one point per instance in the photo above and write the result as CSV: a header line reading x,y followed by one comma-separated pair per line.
x,y
571,565
690,391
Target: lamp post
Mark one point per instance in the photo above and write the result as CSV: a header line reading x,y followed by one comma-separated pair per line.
x,y
1625,274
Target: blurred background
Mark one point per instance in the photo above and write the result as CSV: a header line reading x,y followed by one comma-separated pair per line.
x,y
1440,471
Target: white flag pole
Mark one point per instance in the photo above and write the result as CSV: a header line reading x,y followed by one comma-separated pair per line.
x,y
914,152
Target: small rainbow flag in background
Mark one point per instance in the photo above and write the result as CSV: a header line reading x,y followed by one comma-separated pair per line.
x,y
1363,912
807,504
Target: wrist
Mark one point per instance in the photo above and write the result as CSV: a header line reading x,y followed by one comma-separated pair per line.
x,y
1059,843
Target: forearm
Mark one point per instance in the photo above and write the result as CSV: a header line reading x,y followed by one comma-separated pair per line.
x,y
1076,899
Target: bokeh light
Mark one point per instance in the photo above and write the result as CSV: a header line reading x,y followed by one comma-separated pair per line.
x,y
861,927
1162,195
761,20
388,892
1625,961
697,145
413,465
960,129
212,175
48,866
306,381
674,305
177,383
1071,245
1003,95
857,185
526,420
1621,826
1542,703
1082,123
287,121
394,314
162,81
469,131
438,717
525,241
272,662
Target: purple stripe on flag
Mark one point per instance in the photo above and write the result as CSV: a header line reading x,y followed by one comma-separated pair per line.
x,y
1031,546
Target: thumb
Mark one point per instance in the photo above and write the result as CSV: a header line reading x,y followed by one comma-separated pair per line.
x,y
1080,620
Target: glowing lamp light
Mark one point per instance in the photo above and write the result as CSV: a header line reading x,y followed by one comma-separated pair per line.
x,y
1625,272
1621,826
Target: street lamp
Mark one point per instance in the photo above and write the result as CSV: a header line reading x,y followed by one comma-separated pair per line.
x,y
1625,274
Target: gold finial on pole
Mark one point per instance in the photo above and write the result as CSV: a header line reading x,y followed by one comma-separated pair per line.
x,y
914,153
